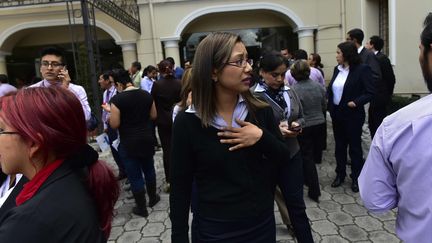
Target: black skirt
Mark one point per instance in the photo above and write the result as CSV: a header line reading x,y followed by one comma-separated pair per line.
x,y
256,230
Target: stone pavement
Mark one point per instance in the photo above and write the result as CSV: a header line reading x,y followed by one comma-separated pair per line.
x,y
339,217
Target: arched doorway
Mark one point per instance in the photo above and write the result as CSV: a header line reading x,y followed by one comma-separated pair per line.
x,y
24,46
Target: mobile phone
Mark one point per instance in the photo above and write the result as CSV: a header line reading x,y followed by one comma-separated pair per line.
x,y
296,129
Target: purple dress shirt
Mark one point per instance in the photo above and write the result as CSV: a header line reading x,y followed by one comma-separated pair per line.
x,y
398,171
79,92
6,88
314,75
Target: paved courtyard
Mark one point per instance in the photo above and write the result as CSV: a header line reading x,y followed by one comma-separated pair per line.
x,y
339,217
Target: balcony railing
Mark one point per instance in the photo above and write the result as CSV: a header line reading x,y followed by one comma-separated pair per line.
x,y
125,11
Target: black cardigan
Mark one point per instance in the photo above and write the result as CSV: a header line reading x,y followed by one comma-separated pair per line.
x,y
62,210
231,185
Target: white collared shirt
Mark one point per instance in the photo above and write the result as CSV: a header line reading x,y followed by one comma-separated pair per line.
x,y
5,191
79,92
240,112
259,89
360,49
339,83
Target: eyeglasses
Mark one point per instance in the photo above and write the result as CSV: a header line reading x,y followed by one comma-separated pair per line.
x,y
46,64
241,63
4,132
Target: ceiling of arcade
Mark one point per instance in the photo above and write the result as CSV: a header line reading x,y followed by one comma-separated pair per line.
x,y
238,20
48,36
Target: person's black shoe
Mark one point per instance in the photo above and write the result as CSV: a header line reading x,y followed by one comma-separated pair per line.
x,y
337,181
314,197
354,186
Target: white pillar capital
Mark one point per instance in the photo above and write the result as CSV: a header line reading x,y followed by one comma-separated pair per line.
x,y
305,31
170,42
3,55
171,45
128,46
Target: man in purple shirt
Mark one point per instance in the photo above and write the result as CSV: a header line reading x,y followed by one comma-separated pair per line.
x,y
398,170
5,87
54,72
314,75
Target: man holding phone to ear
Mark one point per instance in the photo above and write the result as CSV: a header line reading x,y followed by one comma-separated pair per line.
x,y
54,72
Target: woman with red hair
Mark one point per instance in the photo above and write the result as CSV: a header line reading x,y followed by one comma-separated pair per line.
x,y
70,195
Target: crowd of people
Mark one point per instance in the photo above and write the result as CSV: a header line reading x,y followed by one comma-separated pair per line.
x,y
232,144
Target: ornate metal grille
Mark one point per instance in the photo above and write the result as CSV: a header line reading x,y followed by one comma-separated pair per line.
x,y
124,11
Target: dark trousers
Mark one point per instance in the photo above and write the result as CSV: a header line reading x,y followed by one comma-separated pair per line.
x,y
135,167
164,132
112,135
310,141
377,113
347,130
291,185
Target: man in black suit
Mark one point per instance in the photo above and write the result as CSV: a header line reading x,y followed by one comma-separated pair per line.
x,y
369,58
385,90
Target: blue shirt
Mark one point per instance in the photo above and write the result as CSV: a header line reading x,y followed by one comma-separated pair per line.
x,y
398,171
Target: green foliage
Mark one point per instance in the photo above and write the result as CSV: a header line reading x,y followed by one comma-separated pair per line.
x,y
398,102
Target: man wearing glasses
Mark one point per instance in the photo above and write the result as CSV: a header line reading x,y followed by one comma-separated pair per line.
x,y
54,72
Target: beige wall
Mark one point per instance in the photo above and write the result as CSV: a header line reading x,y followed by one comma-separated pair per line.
x,y
408,28
330,19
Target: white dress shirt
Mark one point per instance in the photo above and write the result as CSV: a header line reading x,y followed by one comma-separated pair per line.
x,y
79,92
6,88
5,191
147,84
339,83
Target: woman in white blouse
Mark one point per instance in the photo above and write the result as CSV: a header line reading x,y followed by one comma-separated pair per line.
x,y
350,88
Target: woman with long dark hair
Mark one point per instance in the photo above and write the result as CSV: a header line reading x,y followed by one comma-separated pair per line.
x,y
229,144
166,93
288,112
350,88
71,194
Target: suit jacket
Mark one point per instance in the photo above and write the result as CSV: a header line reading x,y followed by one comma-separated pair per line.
x,y
10,201
359,87
166,93
369,58
62,210
388,76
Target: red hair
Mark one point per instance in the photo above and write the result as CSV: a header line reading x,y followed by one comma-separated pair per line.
x,y
54,119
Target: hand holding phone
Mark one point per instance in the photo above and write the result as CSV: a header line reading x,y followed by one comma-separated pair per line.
x,y
295,127
64,77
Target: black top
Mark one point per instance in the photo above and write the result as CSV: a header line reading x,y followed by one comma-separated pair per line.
x,y
166,93
385,90
135,125
231,185
62,210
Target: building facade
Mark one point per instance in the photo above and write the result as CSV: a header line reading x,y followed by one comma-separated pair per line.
x,y
174,27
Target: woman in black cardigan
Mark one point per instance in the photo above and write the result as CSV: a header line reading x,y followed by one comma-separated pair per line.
x,y
229,144
350,88
70,195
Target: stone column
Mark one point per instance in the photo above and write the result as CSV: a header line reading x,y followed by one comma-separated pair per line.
x,y
129,54
306,39
172,49
3,69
